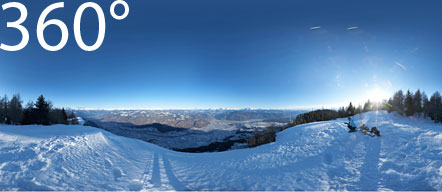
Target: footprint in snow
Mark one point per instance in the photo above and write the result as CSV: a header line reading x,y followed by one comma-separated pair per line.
x,y
117,173
328,159
107,163
21,155
10,149
57,147
11,167
136,186
37,165
24,185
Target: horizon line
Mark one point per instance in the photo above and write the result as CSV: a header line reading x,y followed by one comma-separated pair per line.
x,y
300,108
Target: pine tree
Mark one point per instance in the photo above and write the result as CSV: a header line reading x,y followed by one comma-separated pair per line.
x,y
367,106
426,105
398,102
58,116
350,110
64,116
358,110
341,112
15,111
409,104
384,105
29,116
390,105
3,109
417,100
42,111
436,107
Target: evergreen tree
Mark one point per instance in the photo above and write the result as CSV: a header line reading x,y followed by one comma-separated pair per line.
x,y
313,116
15,111
417,100
409,104
64,116
384,105
367,106
390,105
436,107
29,116
358,110
350,110
3,108
398,102
426,105
42,111
58,116
342,113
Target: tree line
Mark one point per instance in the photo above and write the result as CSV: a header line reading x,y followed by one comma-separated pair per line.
x,y
417,103
330,114
408,104
41,112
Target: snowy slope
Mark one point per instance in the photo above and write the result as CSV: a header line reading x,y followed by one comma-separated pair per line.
x,y
317,156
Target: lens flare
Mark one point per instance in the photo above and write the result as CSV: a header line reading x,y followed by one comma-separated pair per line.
x,y
377,95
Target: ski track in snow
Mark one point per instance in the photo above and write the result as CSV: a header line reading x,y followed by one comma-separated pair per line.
x,y
315,156
159,176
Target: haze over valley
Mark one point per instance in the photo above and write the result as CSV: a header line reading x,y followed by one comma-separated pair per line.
x,y
181,129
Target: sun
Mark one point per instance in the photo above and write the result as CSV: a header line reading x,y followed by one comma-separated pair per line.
x,y
377,95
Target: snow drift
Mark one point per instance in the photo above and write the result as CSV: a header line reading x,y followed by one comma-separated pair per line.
x,y
316,156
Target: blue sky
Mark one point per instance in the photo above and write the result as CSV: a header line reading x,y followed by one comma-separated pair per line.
x,y
230,53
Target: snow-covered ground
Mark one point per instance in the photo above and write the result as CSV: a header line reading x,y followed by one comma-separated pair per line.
x,y
316,156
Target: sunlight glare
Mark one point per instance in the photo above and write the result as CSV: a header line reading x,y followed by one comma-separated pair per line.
x,y
377,95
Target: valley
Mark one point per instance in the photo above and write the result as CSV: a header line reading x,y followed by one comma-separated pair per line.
x,y
185,130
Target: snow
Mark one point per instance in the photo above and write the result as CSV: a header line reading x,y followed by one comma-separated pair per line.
x,y
316,156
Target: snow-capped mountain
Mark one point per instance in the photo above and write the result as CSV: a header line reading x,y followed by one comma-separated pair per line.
x,y
315,156
185,118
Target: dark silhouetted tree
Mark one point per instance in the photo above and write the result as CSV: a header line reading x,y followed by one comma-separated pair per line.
x,y
358,110
351,110
426,105
342,113
384,105
367,106
58,116
15,110
3,109
409,104
42,108
29,115
313,116
390,105
398,102
417,101
436,107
